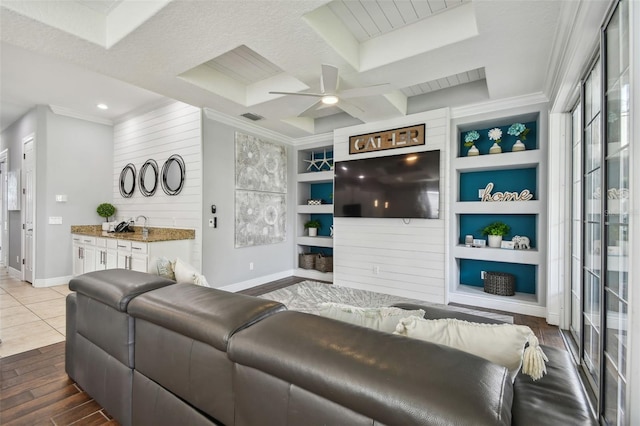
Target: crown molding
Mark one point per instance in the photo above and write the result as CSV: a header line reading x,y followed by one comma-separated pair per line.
x,y
498,105
68,112
261,131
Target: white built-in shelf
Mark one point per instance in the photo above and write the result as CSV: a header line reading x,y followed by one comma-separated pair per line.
x,y
497,207
315,241
314,274
319,209
504,161
530,256
522,303
316,177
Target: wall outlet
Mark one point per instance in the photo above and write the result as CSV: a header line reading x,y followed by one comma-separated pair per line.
x,y
376,269
18,259
251,266
210,223
482,274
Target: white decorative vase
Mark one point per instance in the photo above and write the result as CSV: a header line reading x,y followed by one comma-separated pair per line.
x,y
518,146
495,149
473,151
495,241
313,232
105,226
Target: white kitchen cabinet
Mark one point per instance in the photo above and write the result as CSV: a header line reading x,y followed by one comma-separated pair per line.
x,y
84,254
95,253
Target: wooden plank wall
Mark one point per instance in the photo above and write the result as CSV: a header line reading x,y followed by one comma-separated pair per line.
x,y
175,128
395,256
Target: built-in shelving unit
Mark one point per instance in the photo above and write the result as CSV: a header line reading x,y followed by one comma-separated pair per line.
x,y
508,171
314,184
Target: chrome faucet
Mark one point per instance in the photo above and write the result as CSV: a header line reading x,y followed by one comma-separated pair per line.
x,y
145,230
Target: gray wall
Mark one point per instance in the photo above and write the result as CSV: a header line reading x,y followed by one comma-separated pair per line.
x,y
73,157
222,263
78,163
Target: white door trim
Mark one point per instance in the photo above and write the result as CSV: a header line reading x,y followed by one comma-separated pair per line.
x,y
4,224
25,140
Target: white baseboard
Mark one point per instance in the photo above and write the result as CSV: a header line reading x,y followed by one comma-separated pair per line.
x,y
50,282
15,273
257,281
553,318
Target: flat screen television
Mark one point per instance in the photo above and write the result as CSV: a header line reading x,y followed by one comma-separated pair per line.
x,y
398,186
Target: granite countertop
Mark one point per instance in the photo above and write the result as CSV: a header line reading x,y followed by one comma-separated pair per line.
x,y
155,234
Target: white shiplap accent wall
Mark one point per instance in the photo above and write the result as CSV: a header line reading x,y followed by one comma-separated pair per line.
x,y
389,255
175,128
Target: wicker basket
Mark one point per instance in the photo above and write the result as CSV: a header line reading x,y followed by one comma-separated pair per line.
x,y
499,283
324,263
306,260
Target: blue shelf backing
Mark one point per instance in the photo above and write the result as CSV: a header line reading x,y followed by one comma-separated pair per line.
x,y
326,220
521,224
525,275
512,180
322,191
484,143
321,250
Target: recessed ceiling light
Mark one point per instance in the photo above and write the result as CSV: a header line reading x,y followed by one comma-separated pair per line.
x,y
329,100
102,106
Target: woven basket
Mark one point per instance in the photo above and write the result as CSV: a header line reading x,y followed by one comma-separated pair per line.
x,y
499,283
324,263
306,260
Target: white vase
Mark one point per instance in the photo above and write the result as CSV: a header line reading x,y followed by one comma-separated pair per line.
x,y
518,146
473,151
495,241
105,226
495,149
313,232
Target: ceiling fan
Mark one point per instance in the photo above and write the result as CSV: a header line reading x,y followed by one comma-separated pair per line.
x,y
330,95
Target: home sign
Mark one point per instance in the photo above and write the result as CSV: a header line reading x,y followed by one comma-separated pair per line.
x,y
524,195
387,139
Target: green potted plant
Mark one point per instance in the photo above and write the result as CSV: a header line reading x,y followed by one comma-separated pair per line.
x,y
496,231
106,210
313,225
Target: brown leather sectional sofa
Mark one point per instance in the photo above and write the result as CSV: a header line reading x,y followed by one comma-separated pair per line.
x,y
153,352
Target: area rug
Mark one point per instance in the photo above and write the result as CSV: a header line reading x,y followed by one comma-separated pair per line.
x,y
306,295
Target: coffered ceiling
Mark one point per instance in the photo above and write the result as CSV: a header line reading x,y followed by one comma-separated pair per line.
x,y
228,55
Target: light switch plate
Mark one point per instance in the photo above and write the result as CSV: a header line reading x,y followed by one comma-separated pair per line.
x,y
55,220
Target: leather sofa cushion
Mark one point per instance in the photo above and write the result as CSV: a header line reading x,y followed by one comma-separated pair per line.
x,y
206,314
391,379
556,399
116,287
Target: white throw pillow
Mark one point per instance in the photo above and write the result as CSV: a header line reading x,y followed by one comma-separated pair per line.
x,y
165,268
502,344
186,273
383,318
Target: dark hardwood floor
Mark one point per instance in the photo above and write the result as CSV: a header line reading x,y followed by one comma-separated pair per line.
x,y
35,390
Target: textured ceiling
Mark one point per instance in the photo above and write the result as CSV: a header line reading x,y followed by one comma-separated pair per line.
x,y
227,56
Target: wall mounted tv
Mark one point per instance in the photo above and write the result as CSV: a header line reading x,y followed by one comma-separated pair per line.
x,y
398,186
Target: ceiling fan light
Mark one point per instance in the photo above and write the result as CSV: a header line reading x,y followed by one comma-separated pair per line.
x,y
329,100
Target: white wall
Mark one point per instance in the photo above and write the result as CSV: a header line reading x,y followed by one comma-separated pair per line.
x,y
411,257
175,128
223,264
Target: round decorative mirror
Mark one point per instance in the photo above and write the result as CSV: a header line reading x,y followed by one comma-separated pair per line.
x,y
128,180
148,178
173,175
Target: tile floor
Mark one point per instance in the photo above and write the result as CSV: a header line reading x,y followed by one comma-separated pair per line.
x,y
30,317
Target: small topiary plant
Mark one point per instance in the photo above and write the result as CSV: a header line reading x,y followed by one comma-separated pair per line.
x,y
106,210
496,228
313,224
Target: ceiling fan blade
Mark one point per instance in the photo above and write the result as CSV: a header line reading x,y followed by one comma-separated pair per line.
x,y
349,108
329,79
317,95
312,108
378,89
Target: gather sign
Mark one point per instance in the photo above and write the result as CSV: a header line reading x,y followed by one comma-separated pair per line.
x,y
524,195
387,139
